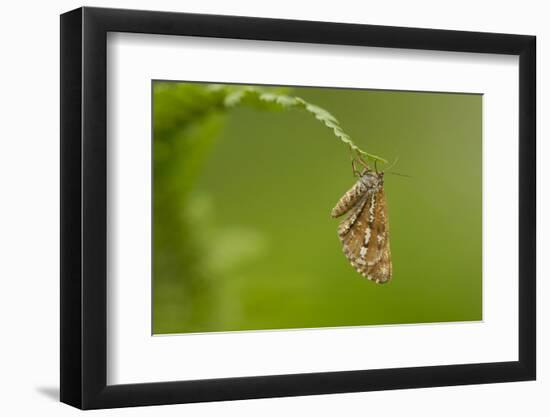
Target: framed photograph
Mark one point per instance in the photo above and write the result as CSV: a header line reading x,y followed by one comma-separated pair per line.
x,y
257,208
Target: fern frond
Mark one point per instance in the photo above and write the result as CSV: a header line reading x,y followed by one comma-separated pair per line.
x,y
256,97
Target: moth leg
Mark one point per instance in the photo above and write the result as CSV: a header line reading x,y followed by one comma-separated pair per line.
x,y
364,163
356,172
361,161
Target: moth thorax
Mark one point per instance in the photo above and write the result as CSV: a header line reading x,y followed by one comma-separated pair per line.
x,y
372,179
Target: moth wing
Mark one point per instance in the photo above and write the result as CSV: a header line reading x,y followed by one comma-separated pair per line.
x,y
353,216
367,244
379,265
350,199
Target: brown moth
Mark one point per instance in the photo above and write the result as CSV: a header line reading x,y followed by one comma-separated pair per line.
x,y
364,232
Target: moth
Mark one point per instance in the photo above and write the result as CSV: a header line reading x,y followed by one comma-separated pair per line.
x,y
364,232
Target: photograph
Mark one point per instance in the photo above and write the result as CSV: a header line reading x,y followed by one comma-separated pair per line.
x,y
278,207
260,205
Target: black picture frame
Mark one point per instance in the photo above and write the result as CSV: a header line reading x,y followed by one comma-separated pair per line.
x,y
84,207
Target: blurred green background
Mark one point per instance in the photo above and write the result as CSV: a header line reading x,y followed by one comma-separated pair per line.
x,y
242,233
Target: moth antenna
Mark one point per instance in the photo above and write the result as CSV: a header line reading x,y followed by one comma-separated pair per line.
x,y
392,164
399,174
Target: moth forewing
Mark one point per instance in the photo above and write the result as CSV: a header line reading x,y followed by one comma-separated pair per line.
x,y
345,225
378,257
365,231
349,199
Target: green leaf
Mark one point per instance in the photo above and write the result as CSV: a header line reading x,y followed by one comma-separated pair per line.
x,y
230,96
257,97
